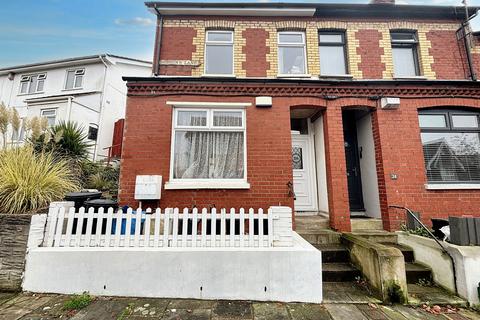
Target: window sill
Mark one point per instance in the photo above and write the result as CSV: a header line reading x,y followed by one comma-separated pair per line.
x,y
337,76
411,78
294,76
453,186
31,93
218,75
73,89
215,184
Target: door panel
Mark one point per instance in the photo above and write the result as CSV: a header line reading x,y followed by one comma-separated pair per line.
x,y
303,173
354,178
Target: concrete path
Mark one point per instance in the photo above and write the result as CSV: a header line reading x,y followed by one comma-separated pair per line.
x,y
47,307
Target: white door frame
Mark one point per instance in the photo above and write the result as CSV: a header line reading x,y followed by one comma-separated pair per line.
x,y
310,162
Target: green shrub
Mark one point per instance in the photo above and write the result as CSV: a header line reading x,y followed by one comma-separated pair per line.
x,y
100,175
30,181
78,301
65,139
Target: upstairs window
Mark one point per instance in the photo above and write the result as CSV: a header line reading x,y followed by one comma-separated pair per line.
x,y
292,53
32,83
451,145
405,54
332,53
74,79
208,144
50,115
219,53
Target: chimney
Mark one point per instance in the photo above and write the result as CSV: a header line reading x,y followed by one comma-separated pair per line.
x,y
382,2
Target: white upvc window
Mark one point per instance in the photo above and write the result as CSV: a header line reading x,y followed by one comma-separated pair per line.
x,y
292,53
219,53
208,148
32,83
74,79
50,115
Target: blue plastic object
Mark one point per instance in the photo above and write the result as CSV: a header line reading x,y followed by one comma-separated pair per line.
x,y
124,224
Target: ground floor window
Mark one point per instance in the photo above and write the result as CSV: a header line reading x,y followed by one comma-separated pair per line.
x,y
451,145
208,144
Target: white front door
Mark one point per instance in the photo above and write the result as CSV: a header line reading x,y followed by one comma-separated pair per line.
x,y
303,173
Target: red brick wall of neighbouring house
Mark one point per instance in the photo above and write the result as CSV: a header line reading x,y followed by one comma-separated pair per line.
x,y
448,55
177,44
256,51
370,51
147,142
404,157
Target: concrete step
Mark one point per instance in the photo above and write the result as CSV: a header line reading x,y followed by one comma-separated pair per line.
x,y
406,251
324,236
416,272
333,253
339,272
361,224
378,236
311,223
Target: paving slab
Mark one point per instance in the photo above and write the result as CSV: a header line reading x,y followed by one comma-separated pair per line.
x,y
418,295
5,296
301,311
53,309
145,308
347,292
105,309
190,304
372,312
270,311
184,314
232,310
22,305
345,312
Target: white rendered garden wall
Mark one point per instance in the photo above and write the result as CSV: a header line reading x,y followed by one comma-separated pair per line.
x,y
279,266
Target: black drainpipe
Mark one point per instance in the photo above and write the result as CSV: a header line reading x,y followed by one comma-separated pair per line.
x,y
465,24
158,43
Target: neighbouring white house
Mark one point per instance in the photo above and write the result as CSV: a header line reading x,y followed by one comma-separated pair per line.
x,y
88,90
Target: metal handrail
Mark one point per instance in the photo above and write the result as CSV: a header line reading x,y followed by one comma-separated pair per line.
x,y
410,212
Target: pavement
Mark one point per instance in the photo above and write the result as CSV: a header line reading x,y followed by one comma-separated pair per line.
x,y
27,306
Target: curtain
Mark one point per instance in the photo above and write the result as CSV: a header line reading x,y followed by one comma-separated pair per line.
x,y
210,155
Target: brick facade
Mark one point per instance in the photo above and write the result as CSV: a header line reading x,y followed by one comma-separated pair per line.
x,y
396,133
190,45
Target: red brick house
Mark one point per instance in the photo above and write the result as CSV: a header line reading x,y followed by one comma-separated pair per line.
x,y
339,109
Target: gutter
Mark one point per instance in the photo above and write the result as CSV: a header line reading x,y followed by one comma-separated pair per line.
x,y
158,42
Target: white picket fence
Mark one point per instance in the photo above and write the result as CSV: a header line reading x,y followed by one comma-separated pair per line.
x,y
170,228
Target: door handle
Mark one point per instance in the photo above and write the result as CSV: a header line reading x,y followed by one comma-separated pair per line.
x,y
291,193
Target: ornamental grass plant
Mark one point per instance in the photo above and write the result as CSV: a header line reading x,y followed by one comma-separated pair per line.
x,y
30,180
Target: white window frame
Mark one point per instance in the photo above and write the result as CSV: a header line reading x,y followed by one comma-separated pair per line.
x,y
292,44
210,108
219,43
28,79
77,72
48,109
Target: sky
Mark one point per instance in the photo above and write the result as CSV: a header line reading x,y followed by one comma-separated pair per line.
x,y
40,30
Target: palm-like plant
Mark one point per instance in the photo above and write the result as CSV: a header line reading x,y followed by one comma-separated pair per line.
x,y
65,139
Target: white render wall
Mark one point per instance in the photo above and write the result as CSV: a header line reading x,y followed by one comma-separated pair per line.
x,y
101,100
290,273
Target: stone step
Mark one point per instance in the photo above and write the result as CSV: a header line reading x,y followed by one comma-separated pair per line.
x,y
311,223
406,251
378,236
416,272
321,237
333,253
361,224
339,272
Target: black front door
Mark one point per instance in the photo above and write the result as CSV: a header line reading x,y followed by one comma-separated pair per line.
x,y
354,177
